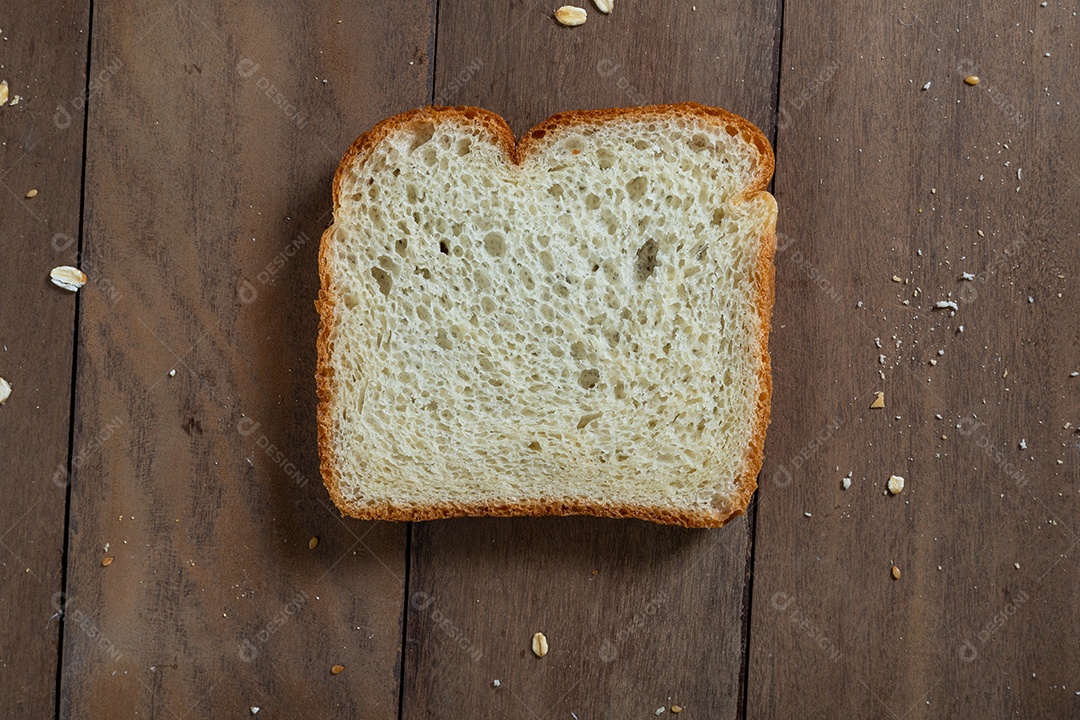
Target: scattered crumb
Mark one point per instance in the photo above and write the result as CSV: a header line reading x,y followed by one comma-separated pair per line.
x,y
846,482
879,401
896,484
895,572
172,373
495,683
31,193
926,86
313,542
808,514
1023,444
539,645
678,708
106,561
337,669
659,711
254,710
5,390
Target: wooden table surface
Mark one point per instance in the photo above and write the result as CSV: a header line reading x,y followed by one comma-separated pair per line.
x,y
164,417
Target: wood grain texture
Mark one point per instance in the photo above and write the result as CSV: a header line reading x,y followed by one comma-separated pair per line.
x,y
210,154
211,143
879,177
40,150
660,622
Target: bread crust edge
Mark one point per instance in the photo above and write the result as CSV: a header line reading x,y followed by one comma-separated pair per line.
x,y
516,151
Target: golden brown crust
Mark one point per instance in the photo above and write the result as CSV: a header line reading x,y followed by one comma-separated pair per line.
x,y
324,372
382,510
746,483
516,152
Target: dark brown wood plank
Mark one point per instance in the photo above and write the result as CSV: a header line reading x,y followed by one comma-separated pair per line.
x,y
638,616
208,186
878,177
41,148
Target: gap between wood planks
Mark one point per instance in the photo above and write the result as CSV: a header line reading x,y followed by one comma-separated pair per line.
x,y
74,371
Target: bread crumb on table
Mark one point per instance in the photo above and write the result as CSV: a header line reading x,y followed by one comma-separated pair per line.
x,y
539,645
570,16
896,484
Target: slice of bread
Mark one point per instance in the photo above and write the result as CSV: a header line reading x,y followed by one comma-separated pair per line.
x,y
573,324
